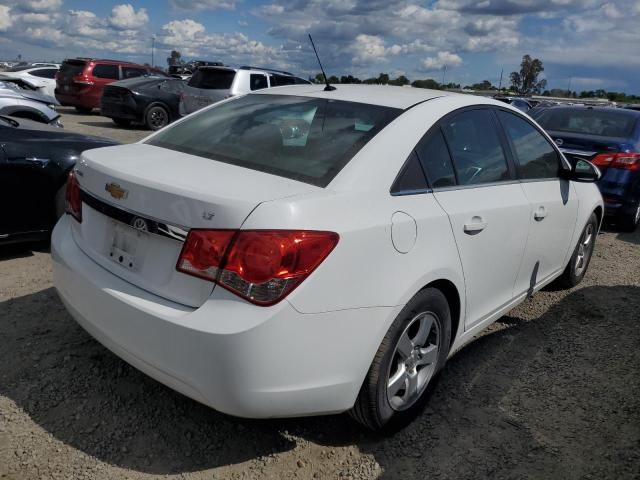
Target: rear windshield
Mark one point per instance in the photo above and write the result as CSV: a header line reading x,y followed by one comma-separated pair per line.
x,y
212,79
72,68
305,139
590,122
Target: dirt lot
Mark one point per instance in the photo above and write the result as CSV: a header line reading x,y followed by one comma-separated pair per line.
x,y
94,124
550,391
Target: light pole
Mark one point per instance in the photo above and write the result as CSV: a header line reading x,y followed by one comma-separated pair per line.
x,y
153,47
444,73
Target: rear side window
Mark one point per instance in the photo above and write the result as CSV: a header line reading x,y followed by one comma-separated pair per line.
x,y
305,139
411,178
213,79
280,80
258,81
132,72
610,123
106,71
72,68
434,156
535,156
476,148
44,72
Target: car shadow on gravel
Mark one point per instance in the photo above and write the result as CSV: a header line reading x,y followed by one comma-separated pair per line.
x,y
553,397
110,125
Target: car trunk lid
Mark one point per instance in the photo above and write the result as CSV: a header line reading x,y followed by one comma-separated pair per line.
x,y
139,202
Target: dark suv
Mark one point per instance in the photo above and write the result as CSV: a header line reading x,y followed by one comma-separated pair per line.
x,y
80,81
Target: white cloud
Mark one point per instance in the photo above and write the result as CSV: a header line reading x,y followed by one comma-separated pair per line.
x,y
125,17
203,4
443,59
40,5
5,18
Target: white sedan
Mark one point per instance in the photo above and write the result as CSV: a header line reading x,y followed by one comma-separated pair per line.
x,y
41,78
297,251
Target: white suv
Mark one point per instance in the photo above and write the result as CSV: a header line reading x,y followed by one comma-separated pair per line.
x,y
298,251
210,84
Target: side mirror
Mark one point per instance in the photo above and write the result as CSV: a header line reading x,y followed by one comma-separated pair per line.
x,y
581,171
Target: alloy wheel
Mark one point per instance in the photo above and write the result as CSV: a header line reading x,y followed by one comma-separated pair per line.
x,y
585,248
414,361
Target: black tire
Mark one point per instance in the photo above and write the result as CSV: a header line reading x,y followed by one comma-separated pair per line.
x,y
630,221
373,407
122,122
574,271
83,110
156,117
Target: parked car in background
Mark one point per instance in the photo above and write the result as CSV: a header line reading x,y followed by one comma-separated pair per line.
x,y
521,104
633,107
152,101
211,84
179,71
35,160
609,138
297,251
28,104
42,78
80,81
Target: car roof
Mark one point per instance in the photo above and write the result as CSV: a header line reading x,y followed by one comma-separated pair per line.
x,y
382,95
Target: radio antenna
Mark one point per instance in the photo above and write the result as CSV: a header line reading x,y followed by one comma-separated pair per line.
x,y
328,87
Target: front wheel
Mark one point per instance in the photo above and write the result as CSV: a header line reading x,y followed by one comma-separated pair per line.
x,y
156,117
411,354
579,262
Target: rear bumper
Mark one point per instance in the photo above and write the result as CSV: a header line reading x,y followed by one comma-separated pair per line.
x,y
238,358
85,99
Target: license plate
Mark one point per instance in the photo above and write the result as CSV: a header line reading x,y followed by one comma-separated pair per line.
x,y
124,246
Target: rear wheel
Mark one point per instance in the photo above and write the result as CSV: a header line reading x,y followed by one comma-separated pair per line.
x,y
631,221
579,262
83,110
156,117
411,354
122,122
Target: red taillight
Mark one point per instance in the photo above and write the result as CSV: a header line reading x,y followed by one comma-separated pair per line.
x,y
82,80
74,202
262,266
625,161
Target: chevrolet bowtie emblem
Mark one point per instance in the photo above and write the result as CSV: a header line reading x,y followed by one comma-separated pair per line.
x,y
116,191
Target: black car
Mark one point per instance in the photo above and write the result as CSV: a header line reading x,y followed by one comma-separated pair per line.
x,y
520,103
35,160
150,100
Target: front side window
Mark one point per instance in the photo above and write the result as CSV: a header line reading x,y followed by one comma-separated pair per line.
x,y
106,71
305,139
534,154
434,155
476,148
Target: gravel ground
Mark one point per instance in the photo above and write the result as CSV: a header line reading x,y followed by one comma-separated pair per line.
x,y
550,391
94,124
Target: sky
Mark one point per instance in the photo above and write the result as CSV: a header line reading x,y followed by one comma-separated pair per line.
x,y
584,44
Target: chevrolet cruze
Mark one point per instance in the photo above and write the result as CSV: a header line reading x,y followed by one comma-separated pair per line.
x,y
297,251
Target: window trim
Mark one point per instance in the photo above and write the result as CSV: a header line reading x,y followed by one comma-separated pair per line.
x,y
513,153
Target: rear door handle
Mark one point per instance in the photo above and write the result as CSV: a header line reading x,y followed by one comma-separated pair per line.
x,y
540,214
476,225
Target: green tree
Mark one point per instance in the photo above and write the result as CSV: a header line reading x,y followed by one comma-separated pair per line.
x,y
400,81
383,79
426,83
526,82
349,79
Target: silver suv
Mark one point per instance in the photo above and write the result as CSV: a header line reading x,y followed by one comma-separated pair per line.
x,y
211,84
